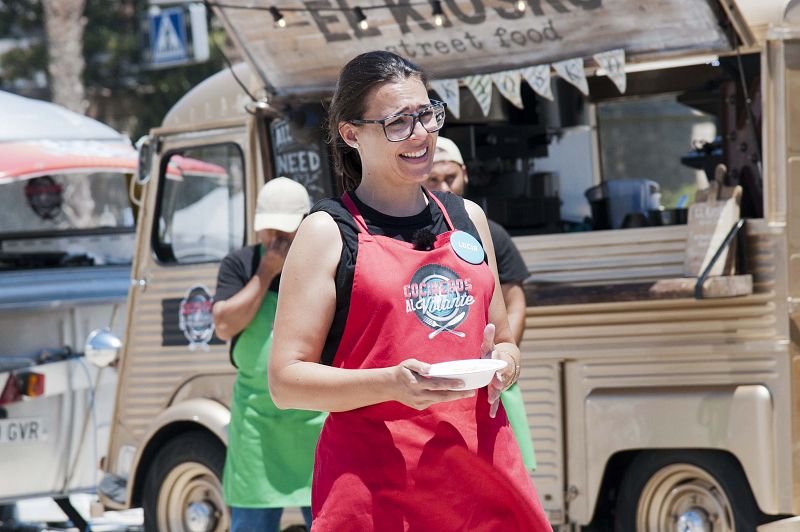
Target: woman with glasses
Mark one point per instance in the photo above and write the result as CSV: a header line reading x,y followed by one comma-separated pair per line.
x,y
378,285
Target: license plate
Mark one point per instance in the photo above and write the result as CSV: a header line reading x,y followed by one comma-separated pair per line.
x,y
21,430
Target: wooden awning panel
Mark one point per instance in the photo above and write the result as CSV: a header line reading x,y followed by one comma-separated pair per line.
x,y
478,36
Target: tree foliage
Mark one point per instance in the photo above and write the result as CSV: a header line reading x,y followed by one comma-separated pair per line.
x,y
123,91
20,18
24,62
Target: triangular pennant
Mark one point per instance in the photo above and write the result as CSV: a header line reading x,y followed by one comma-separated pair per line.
x,y
538,77
481,87
447,89
508,84
613,62
572,71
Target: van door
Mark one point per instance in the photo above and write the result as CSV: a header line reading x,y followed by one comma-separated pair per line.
x,y
193,215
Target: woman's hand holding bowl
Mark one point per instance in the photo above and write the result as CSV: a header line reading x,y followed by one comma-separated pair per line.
x,y
414,389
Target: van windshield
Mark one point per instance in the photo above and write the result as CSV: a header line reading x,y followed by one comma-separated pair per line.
x,y
75,219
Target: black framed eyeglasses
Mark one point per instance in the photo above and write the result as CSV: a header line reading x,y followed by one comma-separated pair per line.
x,y
399,127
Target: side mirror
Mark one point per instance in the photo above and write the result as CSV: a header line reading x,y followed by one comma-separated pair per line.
x,y
102,347
145,163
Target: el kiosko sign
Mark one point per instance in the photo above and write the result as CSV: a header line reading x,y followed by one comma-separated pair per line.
x,y
476,38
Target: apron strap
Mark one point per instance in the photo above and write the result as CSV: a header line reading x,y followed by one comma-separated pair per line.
x,y
441,208
362,225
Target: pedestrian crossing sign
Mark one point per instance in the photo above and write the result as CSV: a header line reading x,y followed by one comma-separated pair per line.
x,y
168,44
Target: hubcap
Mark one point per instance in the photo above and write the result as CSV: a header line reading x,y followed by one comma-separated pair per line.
x,y
190,500
683,498
199,517
695,520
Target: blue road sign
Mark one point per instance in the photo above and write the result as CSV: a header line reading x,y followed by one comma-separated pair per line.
x,y
168,37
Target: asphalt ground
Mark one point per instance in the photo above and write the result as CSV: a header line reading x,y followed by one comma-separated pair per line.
x,y
39,515
44,515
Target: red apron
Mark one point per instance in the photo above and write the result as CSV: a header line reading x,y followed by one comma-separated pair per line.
x,y
389,467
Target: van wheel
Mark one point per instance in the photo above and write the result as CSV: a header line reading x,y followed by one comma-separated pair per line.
x,y
685,490
183,488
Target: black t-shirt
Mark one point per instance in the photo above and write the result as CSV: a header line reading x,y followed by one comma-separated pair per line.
x,y
235,271
510,266
400,228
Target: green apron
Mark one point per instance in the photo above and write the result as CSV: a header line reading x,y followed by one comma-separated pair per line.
x,y
270,457
518,418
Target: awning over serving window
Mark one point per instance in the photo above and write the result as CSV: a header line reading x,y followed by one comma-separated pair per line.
x,y
477,36
39,138
28,159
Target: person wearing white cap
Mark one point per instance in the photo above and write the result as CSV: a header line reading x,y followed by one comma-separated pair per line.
x,y
270,453
449,174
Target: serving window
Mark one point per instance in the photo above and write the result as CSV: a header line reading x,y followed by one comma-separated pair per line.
x,y
611,161
597,190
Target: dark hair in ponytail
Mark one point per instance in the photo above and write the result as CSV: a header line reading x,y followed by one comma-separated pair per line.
x,y
356,80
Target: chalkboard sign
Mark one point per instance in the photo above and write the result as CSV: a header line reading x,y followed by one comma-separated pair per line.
x,y
710,222
304,162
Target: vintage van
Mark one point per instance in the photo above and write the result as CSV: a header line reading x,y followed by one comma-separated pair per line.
x,y
651,409
67,230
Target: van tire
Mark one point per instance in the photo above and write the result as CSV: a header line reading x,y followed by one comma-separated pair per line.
x,y
187,472
713,486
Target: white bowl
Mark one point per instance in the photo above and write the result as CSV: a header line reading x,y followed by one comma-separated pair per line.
x,y
475,372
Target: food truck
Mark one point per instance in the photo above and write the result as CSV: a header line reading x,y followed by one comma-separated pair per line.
x,y
66,242
660,343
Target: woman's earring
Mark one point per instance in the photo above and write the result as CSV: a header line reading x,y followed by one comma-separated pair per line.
x,y
355,146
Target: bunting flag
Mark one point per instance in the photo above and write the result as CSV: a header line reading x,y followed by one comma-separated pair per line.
x,y
447,89
508,83
538,77
481,87
572,71
613,62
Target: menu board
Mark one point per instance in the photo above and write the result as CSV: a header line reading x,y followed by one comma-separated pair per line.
x,y
303,161
710,222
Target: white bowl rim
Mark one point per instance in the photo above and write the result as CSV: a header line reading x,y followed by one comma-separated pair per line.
x,y
445,369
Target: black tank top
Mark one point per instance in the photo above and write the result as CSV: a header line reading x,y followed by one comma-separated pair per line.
x,y
397,227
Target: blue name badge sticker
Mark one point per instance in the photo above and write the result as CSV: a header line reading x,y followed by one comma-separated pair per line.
x,y
467,247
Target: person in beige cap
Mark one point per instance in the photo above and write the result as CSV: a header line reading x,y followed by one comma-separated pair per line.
x,y
449,174
270,453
